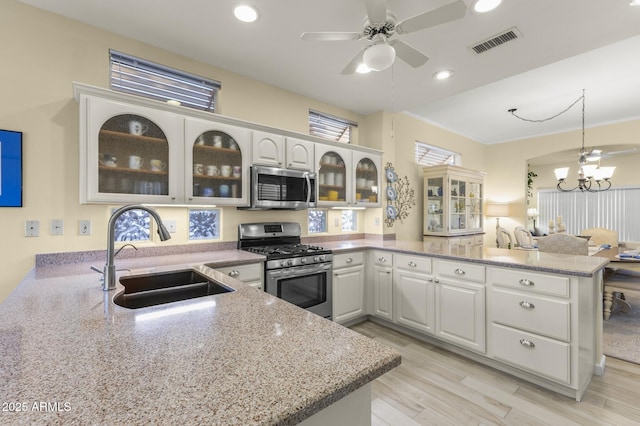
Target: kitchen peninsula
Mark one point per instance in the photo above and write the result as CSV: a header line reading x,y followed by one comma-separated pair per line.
x,y
249,358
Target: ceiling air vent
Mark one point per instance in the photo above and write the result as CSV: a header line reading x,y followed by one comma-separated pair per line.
x,y
497,40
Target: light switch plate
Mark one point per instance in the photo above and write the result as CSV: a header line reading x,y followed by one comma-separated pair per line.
x,y
32,228
170,225
57,227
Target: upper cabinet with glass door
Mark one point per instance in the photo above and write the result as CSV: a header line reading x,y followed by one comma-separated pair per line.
x,y
367,170
452,201
217,160
129,154
333,176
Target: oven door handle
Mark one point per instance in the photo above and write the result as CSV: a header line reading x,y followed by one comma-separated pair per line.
x,y
298,270
308,178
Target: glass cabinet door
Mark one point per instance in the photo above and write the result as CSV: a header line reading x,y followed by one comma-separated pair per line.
x,y
457,212
475,206
217,162
367,183
333,175
434,206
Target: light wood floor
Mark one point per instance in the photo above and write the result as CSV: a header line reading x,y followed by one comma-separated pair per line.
x,y
436,387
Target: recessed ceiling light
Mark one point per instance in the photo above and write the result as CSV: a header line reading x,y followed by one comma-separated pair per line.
x,y
443,75
246,13
486,5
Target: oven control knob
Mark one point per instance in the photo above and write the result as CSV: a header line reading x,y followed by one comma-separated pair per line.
x,y
303,260
316,259
289,262
283,263
322,258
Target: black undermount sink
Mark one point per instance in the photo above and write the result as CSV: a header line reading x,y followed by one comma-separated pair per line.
x,y
155,289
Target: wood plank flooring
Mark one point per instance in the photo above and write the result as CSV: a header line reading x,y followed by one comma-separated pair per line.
x,y
436,387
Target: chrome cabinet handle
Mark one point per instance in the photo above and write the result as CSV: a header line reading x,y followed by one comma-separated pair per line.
x,y
412,264
430,280
459,272
527,343
234,273
349,260
526,282
435,280
527,305
382,259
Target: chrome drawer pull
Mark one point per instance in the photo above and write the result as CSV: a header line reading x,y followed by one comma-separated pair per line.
x,y
234,273
527,305
528,343
525,281
382,259
459,272
349,260
412,264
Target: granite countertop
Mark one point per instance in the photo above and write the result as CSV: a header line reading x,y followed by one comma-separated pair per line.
x,y
69,355
522,259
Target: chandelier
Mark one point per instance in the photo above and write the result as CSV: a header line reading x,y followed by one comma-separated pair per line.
x,y
591,177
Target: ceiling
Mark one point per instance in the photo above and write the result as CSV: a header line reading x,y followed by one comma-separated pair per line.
x,y
566,46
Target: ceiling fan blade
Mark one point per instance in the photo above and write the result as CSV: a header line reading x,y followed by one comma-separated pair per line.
x,y
329,36
409,54
446,13
376,11
353,65
614,153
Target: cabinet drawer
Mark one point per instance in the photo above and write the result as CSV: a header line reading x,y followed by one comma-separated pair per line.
x,y
530,281
413,263
537,354
348,259
244,273
461,271
528,312
472,240
382,258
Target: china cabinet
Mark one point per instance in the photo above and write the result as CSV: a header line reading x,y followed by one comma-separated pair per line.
x,y
128,153
452,201
217,160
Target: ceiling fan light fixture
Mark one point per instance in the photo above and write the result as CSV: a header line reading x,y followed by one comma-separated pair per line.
x,y
443,74
363,69
245,13
379,57
482,6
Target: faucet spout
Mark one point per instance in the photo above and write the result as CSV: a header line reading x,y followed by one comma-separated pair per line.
x,y
110,267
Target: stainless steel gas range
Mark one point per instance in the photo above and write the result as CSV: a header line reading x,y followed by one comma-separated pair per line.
x,y
298,273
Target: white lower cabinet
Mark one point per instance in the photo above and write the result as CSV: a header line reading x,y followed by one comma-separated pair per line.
x,y
348,286
382,284
250,274
414,292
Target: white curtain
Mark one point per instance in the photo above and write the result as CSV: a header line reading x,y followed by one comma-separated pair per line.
x,y
617,209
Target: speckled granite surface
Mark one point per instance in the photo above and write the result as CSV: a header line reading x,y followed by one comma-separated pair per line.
x,y
524,259
70,356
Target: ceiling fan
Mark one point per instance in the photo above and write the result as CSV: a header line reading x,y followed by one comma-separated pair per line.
x,y
380,28
598,154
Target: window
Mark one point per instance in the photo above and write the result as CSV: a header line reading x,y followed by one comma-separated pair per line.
x,y
349,220
317,221
204,224
429,155
329,127
132,225
581,210
144,78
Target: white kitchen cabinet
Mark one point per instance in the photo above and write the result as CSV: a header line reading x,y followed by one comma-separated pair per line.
x,y
268,149
123,165
348,286
251,274
382,284
300,154
414,292
452,201
460,304
367,179
334,177
217,161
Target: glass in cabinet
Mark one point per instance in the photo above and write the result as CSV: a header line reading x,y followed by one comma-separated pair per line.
x,y
366,171
334,180
217,163
452,201
130,153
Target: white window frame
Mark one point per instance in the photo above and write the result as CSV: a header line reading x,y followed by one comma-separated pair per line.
x,y
431,155
141,77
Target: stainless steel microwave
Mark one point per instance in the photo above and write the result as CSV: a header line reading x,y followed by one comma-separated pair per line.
x,y
276,188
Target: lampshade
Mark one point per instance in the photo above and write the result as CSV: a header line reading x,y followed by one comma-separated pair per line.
x,y
561,173
605,173
589,170
379,56
532,212
497,209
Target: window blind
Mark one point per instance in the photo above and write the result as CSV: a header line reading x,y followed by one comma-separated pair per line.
x,y
145,78
428,155
612,209
329,127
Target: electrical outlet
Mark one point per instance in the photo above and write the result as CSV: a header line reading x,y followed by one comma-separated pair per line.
x,y
170,225
84,227
57,227
376,221
32,228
